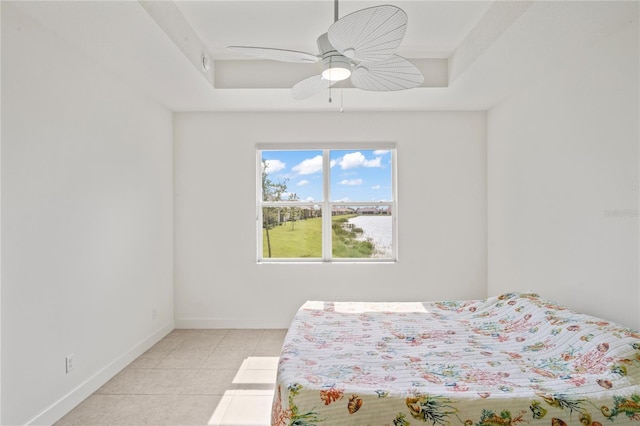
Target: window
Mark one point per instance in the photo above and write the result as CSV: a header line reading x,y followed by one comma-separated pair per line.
x,y
326,203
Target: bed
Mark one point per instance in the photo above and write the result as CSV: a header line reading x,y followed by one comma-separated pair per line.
x,y
507,360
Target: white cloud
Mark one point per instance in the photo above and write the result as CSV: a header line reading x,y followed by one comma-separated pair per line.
x,y
356,159
303,182
309,199
375,187
274,166
380,152
309,166
351,182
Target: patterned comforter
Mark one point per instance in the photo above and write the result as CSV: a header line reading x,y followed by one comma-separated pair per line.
x,y
507,360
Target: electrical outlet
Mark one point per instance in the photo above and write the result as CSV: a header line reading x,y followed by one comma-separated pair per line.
x,y
70,363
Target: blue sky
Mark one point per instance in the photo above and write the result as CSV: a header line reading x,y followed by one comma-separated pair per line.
x,y
356,175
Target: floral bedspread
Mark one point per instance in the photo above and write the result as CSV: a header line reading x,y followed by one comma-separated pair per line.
x,y
507,360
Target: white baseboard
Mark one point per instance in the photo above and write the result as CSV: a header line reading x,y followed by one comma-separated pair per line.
x,y
204,323
65,404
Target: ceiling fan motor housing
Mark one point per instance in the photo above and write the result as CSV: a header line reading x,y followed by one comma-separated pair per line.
x,y
335,66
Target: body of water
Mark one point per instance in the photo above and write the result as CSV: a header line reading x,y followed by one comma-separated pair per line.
x,y
379,230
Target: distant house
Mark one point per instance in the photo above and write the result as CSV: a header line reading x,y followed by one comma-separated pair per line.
x,y
309,212
341,211
368,210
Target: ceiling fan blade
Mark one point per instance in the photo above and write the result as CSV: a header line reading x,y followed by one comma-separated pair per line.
x,y
276,54
369,35
395,73
310,86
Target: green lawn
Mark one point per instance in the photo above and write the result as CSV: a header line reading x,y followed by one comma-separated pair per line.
x,y
304,239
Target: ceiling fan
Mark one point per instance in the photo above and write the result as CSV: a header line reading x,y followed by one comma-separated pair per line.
x,y
360,45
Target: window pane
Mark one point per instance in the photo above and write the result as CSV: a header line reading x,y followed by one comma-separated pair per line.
x,y
361,175
362,232
291,232
292,175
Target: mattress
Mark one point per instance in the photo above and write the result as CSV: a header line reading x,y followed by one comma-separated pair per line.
x,y
512,359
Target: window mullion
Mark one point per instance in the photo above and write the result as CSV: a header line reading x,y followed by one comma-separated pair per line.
x,y
326,205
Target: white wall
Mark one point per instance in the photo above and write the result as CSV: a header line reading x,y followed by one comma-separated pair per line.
x,y
441,211
0,230
562,158
86,223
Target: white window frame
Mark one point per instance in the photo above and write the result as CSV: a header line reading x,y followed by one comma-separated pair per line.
x,y
326,204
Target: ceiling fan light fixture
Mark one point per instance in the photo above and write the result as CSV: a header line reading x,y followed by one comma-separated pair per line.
x,y
336,68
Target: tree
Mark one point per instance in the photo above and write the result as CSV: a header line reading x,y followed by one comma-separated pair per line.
x,y
294,212
271,191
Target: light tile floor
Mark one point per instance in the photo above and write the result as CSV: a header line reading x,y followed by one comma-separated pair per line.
x,y
191,377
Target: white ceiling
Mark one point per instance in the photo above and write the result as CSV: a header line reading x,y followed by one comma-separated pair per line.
x,y
435,28
474,53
